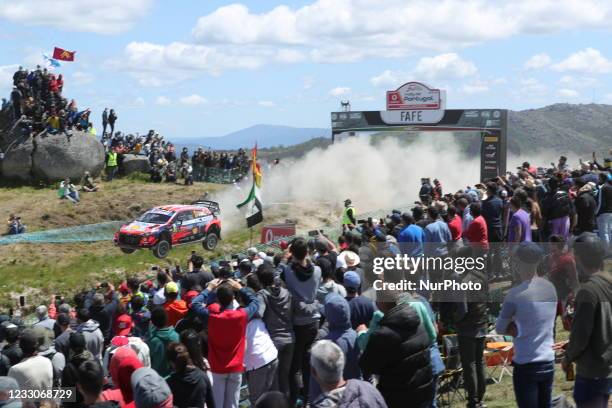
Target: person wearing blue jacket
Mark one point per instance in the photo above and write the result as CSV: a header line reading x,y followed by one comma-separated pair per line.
x,y
337,328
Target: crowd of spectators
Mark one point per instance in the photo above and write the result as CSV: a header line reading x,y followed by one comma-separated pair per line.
x,y
165,163
39,106
300,326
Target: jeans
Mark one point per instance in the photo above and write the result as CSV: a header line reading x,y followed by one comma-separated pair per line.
x,y
110,172
285,358
494,260
533,384
304,338
226,389
471,350
592,392
604,228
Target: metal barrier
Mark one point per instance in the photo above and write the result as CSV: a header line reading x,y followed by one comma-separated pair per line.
x,y
216,175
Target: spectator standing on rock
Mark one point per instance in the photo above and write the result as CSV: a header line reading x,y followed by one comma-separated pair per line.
x,y
104,121
112,118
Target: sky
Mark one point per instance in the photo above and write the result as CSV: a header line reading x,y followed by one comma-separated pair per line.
x,y
190,68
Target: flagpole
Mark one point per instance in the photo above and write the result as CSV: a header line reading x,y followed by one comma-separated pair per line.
x,y
251,237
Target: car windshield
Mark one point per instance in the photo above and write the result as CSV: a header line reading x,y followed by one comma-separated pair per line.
x,y
154,218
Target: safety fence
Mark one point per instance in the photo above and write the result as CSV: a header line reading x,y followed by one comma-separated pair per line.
x,y
103,231
216,175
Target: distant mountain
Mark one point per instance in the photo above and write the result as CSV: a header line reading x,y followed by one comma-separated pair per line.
x,y
561,127
266,136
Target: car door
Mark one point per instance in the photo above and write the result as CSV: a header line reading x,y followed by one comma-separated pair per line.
x,y
203,217
183,227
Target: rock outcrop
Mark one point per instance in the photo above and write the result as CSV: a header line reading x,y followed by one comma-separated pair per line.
x,y
53,157
133,163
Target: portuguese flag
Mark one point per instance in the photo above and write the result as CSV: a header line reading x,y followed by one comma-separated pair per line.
x,y
253,205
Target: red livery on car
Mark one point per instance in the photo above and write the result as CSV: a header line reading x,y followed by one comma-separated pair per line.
x,y
161,228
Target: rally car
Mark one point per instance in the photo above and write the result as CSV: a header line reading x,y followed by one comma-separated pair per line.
x,y
162,228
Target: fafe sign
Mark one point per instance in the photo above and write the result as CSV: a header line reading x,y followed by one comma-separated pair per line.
x,y
414,103
274,232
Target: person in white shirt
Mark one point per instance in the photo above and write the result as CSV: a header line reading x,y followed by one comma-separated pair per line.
x,y
34,371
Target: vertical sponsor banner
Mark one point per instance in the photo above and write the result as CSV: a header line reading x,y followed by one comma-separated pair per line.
x,y
490,155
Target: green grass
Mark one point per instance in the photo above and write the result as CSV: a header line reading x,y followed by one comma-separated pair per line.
x,y
39,271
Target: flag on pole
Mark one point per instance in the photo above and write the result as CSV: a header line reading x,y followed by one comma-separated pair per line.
x,y
63,55
51,62
253,204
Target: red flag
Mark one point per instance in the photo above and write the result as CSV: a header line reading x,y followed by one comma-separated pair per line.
x,y
63,55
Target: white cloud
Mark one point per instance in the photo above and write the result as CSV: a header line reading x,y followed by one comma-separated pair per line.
x,y
157,65
97,16
537,61
82,78
387,77
193,100
308,82
266,104
438,67
588,60
339,91
568,93
444,66
474,88
349,30
532,87
162,101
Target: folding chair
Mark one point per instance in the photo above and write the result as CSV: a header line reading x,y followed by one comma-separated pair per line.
x,y
498,355
450,383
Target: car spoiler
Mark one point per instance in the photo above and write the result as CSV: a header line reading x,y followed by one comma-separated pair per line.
x,y
213,206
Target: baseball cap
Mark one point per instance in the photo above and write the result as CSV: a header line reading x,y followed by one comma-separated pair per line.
x,y
252,251
123,288
529,252
283,245
351,280
150,390
171,287
44,338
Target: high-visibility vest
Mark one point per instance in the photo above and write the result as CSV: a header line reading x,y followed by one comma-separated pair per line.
x,y
92,130
112,159
346,220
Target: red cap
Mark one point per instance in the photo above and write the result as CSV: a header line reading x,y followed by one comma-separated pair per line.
x,y
123,288
284,245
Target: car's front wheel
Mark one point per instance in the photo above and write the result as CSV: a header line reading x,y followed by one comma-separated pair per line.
x,y
162,249
128,250
211,241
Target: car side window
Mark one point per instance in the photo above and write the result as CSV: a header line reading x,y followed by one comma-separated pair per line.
x,y
185,216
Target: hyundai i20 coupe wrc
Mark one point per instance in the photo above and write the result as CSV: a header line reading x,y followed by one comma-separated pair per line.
x,y
162,228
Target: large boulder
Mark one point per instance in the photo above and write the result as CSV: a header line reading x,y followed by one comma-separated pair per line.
x,y
17,163
133,163
54,157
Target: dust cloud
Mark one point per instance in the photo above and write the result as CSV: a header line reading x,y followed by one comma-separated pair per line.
x,y
374,176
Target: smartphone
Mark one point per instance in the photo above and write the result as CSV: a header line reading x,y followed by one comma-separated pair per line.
x,y
313,233
58,298
234,256
22,301
362,221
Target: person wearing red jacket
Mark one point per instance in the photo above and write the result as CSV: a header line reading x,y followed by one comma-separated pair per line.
x,y
175,308
477,231
227,324
53,88
122,324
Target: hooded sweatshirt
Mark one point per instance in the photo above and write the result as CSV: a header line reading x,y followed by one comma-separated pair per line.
x,y
158,342
69,376
590,344
176,309
191,388
338,315
94,339
303,282
276,310
123,363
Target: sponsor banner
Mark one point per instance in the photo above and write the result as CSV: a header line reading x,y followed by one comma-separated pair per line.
x,y
411,117
415,96
277,231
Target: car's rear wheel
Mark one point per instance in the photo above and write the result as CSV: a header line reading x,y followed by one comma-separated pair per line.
x,y
162,249
211,241
128,250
